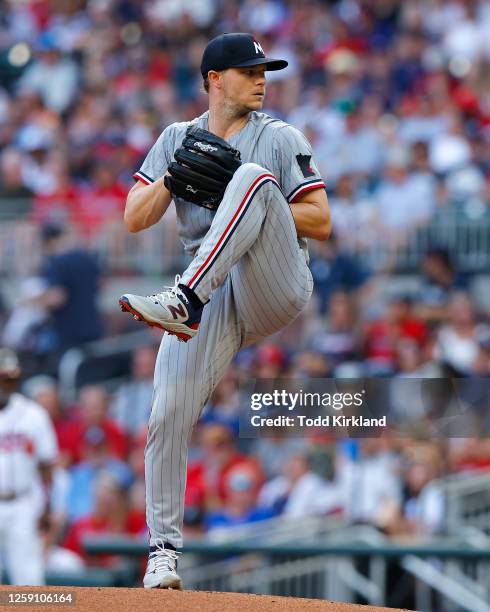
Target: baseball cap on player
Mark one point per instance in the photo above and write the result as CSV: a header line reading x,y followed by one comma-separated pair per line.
x,y
9,364
236,50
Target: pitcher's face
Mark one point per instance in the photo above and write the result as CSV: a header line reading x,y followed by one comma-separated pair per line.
x,y
244,88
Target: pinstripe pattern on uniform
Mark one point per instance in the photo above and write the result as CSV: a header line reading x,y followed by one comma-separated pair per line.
x,y
255,274
266,141
230,228
187,374
264,282
273,282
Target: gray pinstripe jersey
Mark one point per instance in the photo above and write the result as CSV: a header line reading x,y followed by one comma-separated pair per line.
x,y
250,268
268,142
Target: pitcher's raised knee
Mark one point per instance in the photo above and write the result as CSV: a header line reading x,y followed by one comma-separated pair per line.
x,y
249,174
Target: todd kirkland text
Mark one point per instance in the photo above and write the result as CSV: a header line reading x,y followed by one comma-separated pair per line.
x,y
301,420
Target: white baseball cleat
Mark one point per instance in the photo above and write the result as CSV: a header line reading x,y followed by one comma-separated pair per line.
x,y
161,571
169,310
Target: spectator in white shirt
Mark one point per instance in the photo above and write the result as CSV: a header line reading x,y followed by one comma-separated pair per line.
x,y
397,199
132,404
368,482
53,76
299,492
458,342
422,510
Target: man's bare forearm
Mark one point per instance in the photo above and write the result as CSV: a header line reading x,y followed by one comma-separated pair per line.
x,y
146,205
312,215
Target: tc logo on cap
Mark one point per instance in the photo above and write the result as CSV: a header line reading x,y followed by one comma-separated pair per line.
x,y
258,48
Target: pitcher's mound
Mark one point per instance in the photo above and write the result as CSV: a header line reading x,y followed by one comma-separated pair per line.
x,y
134,600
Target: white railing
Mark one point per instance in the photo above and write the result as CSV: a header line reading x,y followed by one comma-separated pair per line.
x,y
439,584
467,239
467,502
75,359
279,530
157,250
449,581
445,574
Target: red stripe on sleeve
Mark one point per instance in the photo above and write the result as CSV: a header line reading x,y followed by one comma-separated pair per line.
x,y
230,224
138,177
307,188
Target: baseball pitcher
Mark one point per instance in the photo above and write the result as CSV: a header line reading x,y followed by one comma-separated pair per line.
x,y
247,193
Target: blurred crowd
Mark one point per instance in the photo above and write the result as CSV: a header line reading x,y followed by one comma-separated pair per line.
x,y
395,98
391,482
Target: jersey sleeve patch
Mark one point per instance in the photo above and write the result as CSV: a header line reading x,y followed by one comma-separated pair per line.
x,y
304,163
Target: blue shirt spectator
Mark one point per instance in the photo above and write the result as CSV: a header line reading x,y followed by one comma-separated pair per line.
x,y
334,271
72,275
81,496
226,519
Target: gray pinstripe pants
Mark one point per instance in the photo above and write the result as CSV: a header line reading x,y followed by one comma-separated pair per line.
x,y
251,267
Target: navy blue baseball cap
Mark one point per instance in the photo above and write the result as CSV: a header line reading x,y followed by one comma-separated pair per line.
x,y
236,50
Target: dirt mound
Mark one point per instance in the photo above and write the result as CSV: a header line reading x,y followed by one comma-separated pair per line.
x,y
104,599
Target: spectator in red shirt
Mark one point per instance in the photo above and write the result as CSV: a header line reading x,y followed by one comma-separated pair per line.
x,y
270,360
111,515
92,412
470,454
206,478
342,40
382,336
242,488
103,201
61,204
